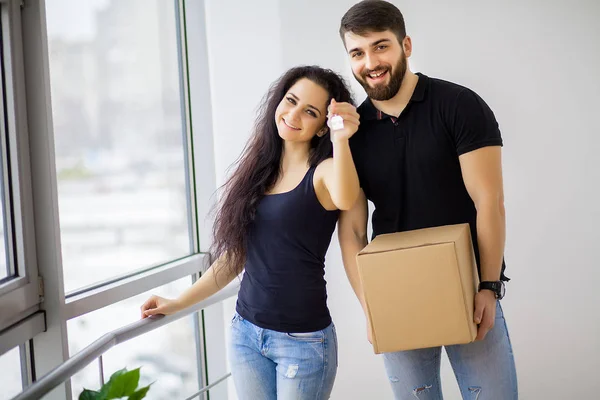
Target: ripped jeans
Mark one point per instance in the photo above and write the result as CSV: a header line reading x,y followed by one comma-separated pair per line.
x,y
269,365
484,370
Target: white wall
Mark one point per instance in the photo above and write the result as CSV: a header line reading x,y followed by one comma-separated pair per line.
x,y
239,34
536,64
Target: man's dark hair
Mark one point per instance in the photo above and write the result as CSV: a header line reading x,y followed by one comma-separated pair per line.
x,y
373,16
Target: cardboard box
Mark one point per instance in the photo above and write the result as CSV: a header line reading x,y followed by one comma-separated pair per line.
x,y
419,288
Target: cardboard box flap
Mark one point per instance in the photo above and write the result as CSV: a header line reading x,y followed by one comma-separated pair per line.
x,y
416,238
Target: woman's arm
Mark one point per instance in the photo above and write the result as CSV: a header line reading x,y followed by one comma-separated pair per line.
x,y
214,279
340,177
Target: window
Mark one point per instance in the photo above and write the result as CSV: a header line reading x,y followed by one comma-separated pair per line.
x,y
120,137
167,356
5,265
10,378
97,149
19,295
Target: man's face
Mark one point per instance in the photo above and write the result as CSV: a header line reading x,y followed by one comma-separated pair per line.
x,y
378,62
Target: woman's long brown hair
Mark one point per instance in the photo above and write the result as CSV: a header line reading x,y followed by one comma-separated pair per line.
x,y
258,168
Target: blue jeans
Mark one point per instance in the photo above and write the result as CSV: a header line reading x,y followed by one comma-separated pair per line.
x,y
485,370
267,364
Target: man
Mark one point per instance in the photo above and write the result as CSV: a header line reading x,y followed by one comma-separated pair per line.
x,y
428,153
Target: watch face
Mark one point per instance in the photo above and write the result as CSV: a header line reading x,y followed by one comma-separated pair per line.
x,y
502,290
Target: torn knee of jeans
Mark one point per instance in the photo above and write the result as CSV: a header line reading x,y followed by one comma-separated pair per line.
x,y
291,371
421,389
393,379
475,390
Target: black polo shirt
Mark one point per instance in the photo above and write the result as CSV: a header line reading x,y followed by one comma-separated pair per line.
x,y
408,165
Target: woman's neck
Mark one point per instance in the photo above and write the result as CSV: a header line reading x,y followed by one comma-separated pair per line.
x,y
295,156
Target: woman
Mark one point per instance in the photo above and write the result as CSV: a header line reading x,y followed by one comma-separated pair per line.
x,y
275,222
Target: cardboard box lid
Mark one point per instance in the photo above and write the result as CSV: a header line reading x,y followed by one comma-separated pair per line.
x,y
416,238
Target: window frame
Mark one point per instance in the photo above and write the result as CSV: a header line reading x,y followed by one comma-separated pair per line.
x,y
48,306
20,294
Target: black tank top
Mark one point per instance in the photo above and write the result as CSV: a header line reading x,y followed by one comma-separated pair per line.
x,y
283,287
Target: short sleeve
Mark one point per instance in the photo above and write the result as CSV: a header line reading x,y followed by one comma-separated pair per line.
x,y
474,125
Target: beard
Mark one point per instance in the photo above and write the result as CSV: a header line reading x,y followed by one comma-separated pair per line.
x,y
382,92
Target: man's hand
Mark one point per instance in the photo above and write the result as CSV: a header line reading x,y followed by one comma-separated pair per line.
x,y
485,312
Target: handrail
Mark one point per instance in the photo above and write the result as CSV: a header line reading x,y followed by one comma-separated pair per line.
x,y
207,387
80,360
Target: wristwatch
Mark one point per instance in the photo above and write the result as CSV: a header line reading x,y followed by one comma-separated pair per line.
x,y
496,286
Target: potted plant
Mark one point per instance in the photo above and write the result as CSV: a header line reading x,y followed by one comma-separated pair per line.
x,y
122,384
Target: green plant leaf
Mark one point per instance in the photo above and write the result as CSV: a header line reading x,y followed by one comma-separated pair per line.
x,y
140,394
90,395
118,373
123,384
106,387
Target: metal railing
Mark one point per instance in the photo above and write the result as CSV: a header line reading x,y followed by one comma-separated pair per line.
x,y
95,350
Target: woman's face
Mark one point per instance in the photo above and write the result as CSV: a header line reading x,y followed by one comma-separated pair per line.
x,y
302,112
